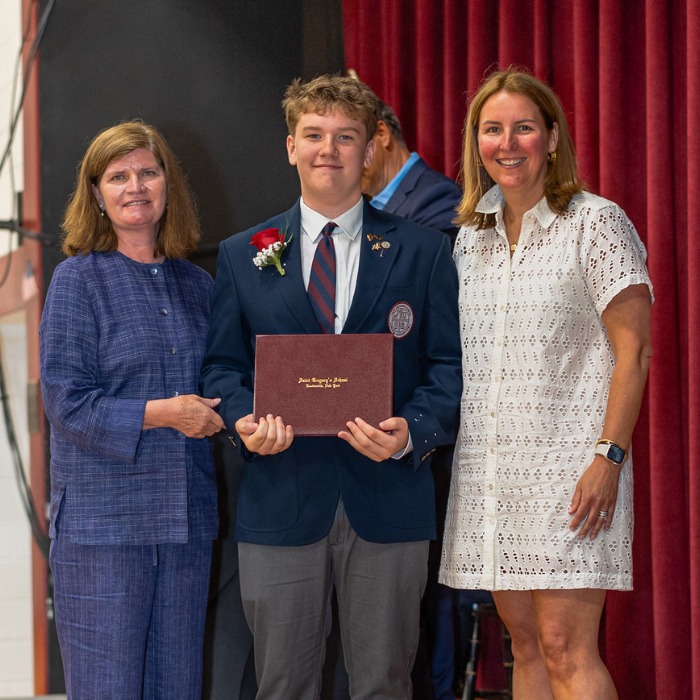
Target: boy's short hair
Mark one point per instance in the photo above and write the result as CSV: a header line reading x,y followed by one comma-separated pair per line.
x,y
328,92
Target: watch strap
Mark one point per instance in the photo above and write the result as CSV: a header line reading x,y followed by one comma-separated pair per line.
x,y
611,451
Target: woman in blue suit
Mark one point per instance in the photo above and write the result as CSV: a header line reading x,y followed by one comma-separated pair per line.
x,y
133,499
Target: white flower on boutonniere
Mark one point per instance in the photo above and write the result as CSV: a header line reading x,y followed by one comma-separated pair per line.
x,y
270,244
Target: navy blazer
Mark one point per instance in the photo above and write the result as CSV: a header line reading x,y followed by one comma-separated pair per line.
x,y
427,197
290,498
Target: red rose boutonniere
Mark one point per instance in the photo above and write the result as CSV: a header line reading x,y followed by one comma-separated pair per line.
x,y
270,244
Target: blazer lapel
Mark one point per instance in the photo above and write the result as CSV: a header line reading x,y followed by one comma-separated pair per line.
x,y
378,254
406,186
292,291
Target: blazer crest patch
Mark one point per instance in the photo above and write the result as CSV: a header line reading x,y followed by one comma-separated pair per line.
x,y
400,319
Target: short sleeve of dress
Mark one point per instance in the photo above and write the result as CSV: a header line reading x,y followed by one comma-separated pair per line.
x,y
613,256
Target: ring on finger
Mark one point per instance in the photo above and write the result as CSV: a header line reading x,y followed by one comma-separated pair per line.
x,y
603,514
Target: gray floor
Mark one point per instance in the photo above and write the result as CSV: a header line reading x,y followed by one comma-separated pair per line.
x,y
39,697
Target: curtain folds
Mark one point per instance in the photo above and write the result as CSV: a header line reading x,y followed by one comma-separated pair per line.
x,y
628,76
691,87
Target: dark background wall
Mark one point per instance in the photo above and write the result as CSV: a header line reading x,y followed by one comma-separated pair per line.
x,y
210,74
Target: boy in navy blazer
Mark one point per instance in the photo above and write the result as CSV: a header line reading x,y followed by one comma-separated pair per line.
x,y
351,513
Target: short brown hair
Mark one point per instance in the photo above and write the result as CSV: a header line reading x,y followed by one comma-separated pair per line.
x,y
561,180
86,230
327,92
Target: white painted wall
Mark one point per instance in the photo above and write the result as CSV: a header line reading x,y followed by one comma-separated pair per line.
x,y
16,620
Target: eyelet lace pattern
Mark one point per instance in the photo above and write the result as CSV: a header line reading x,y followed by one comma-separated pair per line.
x,y
537,365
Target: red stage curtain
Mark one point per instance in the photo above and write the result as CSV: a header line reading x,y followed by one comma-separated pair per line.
x,y
628,74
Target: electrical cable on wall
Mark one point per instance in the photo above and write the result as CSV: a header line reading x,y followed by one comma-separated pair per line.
x,y
34,518
35,521
8,262
13,225
30,65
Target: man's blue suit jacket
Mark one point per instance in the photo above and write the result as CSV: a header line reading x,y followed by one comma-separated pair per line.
x,y
290,498
426,197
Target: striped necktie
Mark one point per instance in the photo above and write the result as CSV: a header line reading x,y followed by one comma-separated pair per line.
x,y
321,288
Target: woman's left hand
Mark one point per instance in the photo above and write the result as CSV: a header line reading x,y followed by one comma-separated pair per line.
x,y
595,494
192,415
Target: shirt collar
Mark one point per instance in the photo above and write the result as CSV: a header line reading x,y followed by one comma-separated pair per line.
x,y
382,199
349,222
493,202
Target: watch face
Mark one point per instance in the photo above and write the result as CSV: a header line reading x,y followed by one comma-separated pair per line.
x,y
616,454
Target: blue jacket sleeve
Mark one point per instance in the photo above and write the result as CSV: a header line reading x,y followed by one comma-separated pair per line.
x,y
432,412
229,360
76,403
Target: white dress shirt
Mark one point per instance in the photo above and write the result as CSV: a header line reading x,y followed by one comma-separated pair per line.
x,y
346,240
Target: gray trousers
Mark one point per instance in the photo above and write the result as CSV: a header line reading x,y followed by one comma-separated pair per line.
x,y
286,595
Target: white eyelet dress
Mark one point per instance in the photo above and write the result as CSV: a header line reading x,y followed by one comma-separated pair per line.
x,y
537,365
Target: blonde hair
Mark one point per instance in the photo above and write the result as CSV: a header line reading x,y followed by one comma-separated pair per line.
x,y
86,230
327,92
561,180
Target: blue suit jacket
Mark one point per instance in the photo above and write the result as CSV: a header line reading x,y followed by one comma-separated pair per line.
x,y
290,498
426,197
107,348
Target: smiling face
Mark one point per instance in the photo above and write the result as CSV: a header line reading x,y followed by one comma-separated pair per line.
x,y
513,144
132,192
329,151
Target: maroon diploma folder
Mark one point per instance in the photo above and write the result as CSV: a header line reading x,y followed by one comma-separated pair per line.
x,y
319,382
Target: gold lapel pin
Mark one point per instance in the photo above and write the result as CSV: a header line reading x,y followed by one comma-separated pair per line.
x,y
381,247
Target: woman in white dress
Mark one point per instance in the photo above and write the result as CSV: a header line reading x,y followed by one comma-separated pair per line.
x,y
555,306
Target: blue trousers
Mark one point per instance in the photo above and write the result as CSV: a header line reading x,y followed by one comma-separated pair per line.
x,y
130,619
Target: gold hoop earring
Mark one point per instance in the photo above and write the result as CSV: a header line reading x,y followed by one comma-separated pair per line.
x,y
552,157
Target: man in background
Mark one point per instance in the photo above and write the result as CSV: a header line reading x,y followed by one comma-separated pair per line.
x,y
402,183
